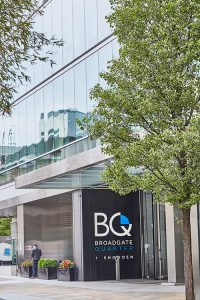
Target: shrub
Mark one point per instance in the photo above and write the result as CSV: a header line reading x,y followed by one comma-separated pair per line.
x,y
47,263
66,264
27,263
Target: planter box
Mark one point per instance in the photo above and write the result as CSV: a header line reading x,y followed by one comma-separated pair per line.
x,y
25,272
47,273
8,270
66,274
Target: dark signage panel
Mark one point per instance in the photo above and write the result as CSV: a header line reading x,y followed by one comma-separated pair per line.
x,y
111,228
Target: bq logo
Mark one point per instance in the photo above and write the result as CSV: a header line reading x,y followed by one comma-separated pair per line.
x,y
123,220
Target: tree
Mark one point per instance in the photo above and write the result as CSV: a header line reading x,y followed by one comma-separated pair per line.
x,y
19,43
5,229
148,115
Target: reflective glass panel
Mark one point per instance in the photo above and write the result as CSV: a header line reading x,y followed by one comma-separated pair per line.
x,y
8,141
115,48
48,117
67,29
57,32
91,22
47,24
39,67
15,125
69,107
30,72
103,26
30,125
92,77
105,54
2,143
80,96
39,122
79,27
22,131
58,112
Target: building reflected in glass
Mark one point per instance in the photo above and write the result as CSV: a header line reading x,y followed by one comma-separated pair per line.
x,y
45,111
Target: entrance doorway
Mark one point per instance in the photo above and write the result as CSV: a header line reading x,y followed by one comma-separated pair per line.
x,y
153,238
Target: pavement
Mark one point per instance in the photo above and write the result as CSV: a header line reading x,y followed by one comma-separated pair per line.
x,y
16,288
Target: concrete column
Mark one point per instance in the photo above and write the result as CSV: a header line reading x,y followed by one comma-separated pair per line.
x,y
14,245
14,228
20,232
174,245
78,233
195,246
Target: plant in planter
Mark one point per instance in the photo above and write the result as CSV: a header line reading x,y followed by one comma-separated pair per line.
x,y
66,271
25,268
47,268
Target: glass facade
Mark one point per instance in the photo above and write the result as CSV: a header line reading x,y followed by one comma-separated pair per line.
x,y
81,24
45,119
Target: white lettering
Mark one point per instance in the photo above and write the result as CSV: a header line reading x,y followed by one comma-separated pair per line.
x,y
126,231
102,224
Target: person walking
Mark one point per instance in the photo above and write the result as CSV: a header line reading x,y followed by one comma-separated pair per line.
x,y
36,254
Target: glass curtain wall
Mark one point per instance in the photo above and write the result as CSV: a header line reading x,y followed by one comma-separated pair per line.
x,y
46,120
79,23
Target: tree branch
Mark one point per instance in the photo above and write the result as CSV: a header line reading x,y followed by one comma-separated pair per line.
x,y
162,179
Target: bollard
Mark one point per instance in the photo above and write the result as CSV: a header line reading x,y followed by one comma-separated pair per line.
x,y
117,267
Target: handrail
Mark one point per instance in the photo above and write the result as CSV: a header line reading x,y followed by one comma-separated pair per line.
x,y
46,153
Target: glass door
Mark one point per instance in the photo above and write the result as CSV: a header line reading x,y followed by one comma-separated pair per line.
x,y
153,238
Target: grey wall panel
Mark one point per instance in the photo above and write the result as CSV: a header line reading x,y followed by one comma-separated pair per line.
x,y
49,223
178,246
174,245
20,232
195,246
78,233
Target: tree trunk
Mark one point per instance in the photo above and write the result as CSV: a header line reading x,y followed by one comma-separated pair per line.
x,y
188,269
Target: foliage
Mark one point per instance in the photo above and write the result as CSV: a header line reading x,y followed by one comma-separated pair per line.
x,y
5,229
27,263
148,115
20,43
66,264
47,263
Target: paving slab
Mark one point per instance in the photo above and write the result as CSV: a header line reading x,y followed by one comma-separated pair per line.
x,y
26,289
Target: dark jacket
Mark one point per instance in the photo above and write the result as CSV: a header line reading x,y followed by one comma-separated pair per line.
x,y
36,254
